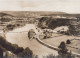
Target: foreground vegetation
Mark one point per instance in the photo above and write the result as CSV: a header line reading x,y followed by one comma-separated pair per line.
x,y
14,48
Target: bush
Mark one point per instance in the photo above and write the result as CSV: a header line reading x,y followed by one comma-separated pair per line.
x,y
18,50
63,49
10,27
27,52
68,41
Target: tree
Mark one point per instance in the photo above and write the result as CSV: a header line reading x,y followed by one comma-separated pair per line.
x,y
26,53
2,50
10,26
63,49
31,34
18,50
68,41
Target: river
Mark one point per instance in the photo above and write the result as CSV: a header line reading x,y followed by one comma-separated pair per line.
x,y
19,37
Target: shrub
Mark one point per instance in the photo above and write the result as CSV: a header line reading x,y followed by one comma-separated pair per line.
x,y
18,50
63,49
68,41
10,27
27,52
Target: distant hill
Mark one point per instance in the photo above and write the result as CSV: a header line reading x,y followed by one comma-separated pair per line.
x,y
36,13
5,14
31,13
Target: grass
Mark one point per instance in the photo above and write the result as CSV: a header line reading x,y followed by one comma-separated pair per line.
x,y
58,38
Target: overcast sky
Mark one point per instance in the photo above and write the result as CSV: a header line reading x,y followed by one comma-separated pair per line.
x,y
69,6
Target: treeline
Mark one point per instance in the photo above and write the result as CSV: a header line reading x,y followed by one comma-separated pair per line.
x,y
52,23
5,19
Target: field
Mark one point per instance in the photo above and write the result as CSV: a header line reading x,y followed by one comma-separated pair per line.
x,y
58,38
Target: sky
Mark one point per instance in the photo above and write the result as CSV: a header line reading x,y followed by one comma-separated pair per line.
x,y
68,6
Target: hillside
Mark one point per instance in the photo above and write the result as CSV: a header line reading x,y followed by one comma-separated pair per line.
x,y
5,14
36,13
32,13
52,23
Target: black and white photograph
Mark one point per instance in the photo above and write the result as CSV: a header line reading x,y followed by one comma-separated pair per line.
x,y
39,28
